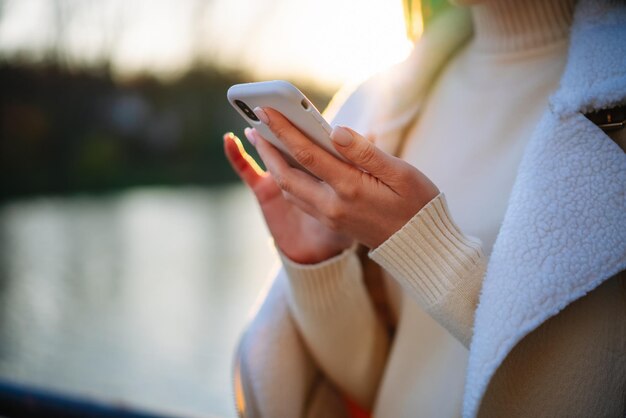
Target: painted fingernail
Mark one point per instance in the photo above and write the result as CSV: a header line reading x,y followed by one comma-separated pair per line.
x,y
250,135
260,113
341,136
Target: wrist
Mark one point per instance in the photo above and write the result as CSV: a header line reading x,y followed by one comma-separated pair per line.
x,y
313,255
325,287
317,262
430,254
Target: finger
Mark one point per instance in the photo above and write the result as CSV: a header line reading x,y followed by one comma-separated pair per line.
x,y
243,164
311,156
364,154
250,136
291,180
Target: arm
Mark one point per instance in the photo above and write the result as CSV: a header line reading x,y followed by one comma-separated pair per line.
x,y
383,203
439,267
274,372
333,310
338,322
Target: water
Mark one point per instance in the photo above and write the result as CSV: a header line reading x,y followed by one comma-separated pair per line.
x,y
138,298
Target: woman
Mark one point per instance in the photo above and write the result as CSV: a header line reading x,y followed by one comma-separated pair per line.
x,y
532,323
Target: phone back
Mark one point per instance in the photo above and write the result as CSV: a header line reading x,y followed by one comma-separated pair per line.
x,y
288,100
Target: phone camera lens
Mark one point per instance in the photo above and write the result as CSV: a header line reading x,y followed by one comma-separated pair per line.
x,y
246,109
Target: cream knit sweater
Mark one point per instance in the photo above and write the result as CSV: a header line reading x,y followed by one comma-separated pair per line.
x,y
468,140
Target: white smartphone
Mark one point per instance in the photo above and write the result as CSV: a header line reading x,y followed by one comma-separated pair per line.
x,y
288,100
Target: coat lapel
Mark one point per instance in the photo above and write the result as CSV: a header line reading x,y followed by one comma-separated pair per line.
x,y
564,231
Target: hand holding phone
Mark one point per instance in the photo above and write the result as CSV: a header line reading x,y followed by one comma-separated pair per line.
x,y
366,200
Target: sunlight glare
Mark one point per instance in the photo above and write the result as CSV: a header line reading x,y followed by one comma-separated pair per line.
x,y
327,42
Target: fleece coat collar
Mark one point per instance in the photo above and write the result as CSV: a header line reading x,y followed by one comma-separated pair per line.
x,y
564,231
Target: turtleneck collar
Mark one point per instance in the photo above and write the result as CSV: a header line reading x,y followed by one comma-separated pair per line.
x,y
505,26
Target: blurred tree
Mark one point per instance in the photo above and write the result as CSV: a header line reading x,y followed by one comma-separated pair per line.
x,y
61,11
67,124
112,26
198,32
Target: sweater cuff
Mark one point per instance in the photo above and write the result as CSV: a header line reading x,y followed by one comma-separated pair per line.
x,y
325,286
429,254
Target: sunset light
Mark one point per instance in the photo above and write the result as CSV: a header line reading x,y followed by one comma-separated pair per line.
x,y
133,254
328,42
228,208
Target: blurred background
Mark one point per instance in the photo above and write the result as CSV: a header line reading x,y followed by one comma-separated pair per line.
x,y
130,256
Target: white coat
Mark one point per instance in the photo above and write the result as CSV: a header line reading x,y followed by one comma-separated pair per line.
x,y
563,234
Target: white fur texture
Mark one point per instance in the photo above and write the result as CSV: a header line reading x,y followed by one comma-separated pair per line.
x,y
564,231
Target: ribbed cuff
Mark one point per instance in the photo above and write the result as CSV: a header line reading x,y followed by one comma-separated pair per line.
x,y
324,286
429,254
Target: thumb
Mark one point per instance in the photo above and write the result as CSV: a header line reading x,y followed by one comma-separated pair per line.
x,y
362,153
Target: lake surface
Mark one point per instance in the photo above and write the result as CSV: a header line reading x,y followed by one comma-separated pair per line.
x,y
137,298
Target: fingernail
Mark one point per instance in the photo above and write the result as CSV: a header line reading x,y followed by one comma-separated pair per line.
x,y
341,136
250,135
260,113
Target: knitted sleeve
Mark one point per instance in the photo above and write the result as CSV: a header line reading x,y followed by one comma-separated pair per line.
x,y
440,267
338,323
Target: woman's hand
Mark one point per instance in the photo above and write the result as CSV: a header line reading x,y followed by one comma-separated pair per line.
x,y
299,236
368,201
